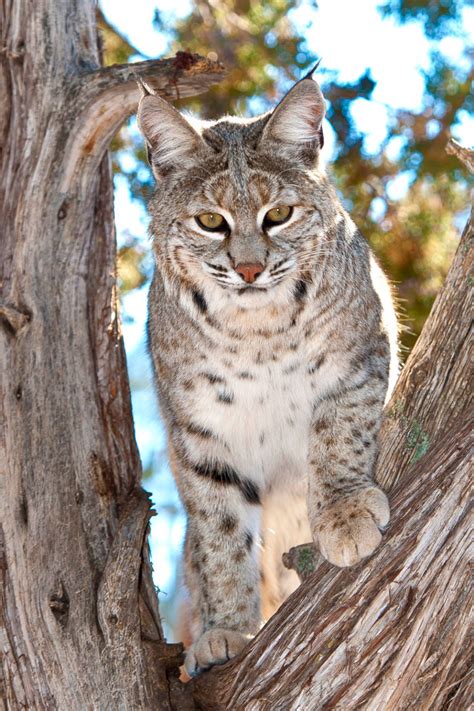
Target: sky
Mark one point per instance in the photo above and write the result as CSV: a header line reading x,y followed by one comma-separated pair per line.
x,y
349,37
395,54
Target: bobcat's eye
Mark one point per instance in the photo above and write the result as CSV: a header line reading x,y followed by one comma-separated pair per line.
x,y
212,222
277,215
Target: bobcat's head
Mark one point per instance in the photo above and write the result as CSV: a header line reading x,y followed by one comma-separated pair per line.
x,y
240,204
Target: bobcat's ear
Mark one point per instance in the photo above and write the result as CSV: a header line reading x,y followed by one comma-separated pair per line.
x,y
296,123
170,138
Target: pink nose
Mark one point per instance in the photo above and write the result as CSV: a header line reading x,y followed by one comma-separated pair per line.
x,y
249,272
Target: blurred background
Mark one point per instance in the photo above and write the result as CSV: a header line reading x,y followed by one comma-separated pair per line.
x,y
397,78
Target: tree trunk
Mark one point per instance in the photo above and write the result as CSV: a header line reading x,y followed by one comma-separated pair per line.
x,y
79,622
391,633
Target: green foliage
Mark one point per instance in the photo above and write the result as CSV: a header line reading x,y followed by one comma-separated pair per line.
x,y
130,266
256,42
415,236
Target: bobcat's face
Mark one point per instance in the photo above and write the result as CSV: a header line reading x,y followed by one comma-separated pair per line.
x,y
245,235
236,205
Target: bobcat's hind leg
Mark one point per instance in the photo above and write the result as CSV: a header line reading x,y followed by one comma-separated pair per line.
x,y
284,525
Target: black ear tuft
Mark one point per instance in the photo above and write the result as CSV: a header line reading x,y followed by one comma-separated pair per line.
x,y
142,87
309,75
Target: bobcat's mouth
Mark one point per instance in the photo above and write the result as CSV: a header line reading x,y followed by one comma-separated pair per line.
x,y
251,289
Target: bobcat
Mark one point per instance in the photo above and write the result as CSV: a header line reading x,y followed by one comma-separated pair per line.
x,y
274,343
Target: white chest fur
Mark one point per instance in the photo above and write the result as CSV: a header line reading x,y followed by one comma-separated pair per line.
x,y
269,427
262,412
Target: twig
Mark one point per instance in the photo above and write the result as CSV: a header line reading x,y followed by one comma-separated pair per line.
x,y
465,155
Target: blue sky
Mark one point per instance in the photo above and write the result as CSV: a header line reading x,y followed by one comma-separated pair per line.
x,y
350,37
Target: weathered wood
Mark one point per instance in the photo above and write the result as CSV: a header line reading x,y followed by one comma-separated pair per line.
x,y
79,621
103,99
386,635
434,391
465,155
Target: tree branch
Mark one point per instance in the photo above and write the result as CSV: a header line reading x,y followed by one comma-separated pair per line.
x,y
103,100
374,635
432,394
117,610
465,155
172,78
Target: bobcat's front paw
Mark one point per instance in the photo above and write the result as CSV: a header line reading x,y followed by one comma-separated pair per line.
x,y
215,646
349,530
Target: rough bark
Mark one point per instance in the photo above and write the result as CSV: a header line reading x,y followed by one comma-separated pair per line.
x,y
390,633
433,394
79,622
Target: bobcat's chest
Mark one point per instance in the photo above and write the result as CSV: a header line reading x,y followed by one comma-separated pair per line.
x,y
276,425
262,412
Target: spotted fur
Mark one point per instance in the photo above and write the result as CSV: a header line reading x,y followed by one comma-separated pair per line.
x,y
272,392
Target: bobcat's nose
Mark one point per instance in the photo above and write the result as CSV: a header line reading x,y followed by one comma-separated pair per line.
x,y
249,272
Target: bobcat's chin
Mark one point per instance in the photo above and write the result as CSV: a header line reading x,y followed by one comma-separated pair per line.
x,y
257,296
251,298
